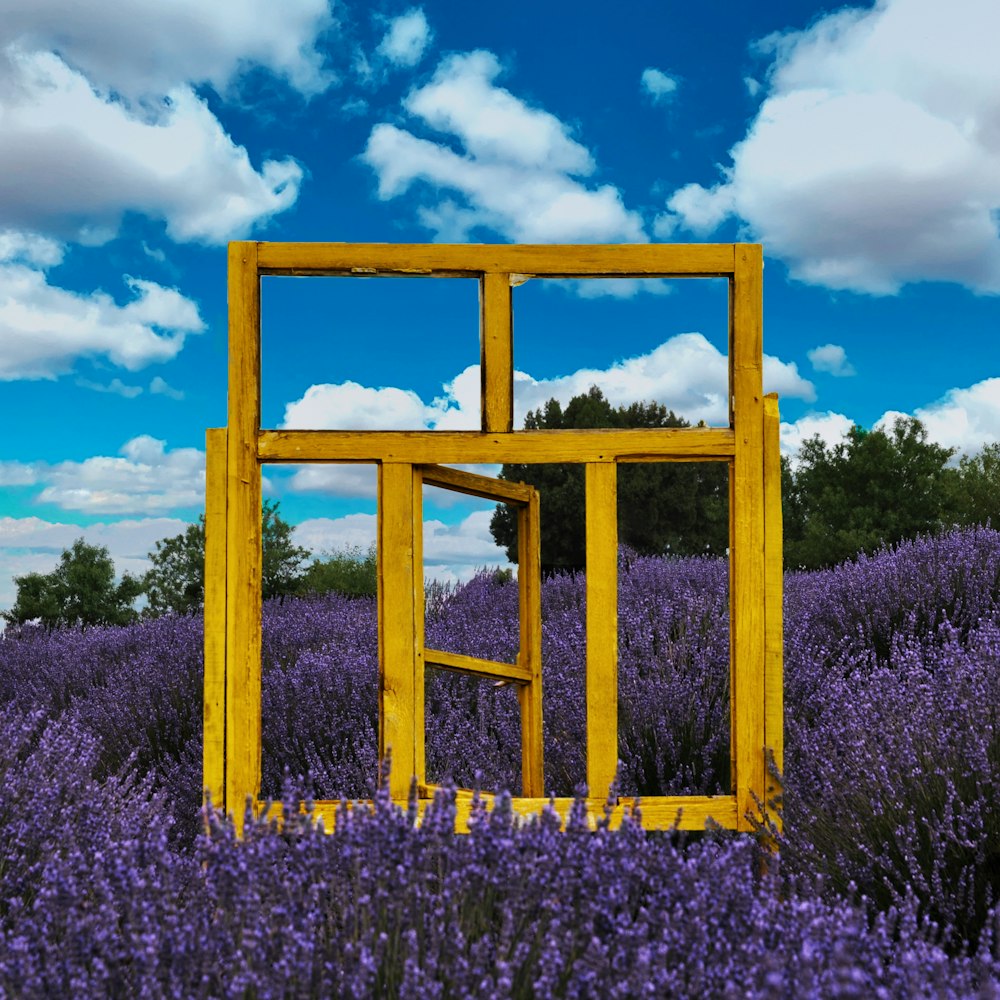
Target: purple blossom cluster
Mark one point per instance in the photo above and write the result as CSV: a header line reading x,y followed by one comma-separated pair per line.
x,y
888,878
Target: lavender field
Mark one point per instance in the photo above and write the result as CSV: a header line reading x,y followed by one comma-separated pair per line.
x,y
888,878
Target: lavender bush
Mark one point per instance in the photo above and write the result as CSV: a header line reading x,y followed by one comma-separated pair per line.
x,y
889,873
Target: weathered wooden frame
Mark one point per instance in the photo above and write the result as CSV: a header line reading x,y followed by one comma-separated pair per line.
x,y
232,740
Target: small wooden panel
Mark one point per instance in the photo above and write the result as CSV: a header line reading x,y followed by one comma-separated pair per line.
x,y
492,669
602,626
243,534
748,523
496,354
774,723
470,447
446,260
397,622
662,812
472,484
214,747
529,582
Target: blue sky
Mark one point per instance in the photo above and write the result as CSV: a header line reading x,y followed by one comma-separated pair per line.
x,y
860,145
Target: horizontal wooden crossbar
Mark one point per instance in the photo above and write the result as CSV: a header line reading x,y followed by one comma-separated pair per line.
x,y
658,812
470,259
480,668
525,447
487,487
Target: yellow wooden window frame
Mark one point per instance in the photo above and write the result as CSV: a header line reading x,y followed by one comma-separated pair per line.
x,y
235,454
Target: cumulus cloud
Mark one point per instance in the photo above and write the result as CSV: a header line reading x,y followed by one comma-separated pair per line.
x,y
144,478
33,545
964,418
874,159
832,359
406,39
148,47
660,86
173,162
516,173
159,387
44,328
830,427
687,373
452,552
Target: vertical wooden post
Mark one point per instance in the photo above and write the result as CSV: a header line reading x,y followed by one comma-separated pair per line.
x,y
602,625
774,723
243,535
214,747
419,679
530,695
496,354
398,512
748,517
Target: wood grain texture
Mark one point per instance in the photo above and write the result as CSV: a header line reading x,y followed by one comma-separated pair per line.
x,y
491,669
397,623
747,560
417,586
529,582
468,447
774,643
447,260
214,708
602,626
243,534
472,484
496,354
664,812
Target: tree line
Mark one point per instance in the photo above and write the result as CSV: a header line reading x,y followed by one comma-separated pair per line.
x,y
872,488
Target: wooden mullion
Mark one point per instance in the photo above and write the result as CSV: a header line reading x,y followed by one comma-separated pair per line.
x,y
748,519
243,535
530,654
214,708
496,364
397,624
602,626
774,734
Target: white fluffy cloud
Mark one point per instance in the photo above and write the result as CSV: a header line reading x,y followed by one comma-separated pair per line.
x,y
686,373
832,359
44,328
830,427
451,551
516,173
660,86
874,160
965,419
406,38
144,478
147,47
73,160
33,545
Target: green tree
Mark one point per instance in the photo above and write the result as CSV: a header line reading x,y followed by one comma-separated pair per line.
x,y
176,581
677,507
81,590
873,488
350,571
976,488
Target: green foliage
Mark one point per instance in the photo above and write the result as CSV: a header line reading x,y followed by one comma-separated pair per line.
x,y
675,507
352,571
976,489
81,590
176,581
874,488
